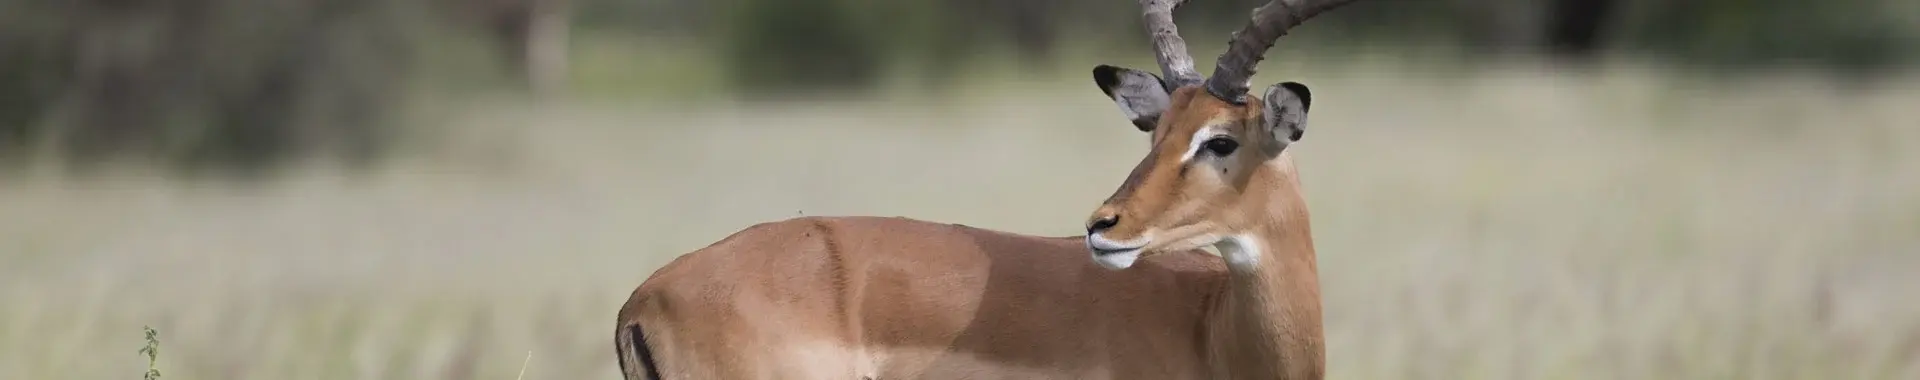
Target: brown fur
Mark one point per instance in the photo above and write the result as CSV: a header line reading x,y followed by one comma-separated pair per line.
x,y
886,298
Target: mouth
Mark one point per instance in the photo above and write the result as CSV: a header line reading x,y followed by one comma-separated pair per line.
x,y
1100,245
1112,254
1099,251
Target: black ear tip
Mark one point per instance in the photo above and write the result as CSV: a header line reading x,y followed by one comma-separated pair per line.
x,y
1300,90
1106,76
1144,125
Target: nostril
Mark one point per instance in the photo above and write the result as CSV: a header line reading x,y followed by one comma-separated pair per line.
x,y
1103,224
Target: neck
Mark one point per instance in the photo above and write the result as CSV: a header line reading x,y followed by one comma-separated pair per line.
x,y
1267,324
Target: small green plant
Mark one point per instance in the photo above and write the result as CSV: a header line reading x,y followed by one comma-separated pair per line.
x,y
152,351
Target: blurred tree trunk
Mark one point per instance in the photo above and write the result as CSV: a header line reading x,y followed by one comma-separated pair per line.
x,y
1032,27
1568,29
1575,28
531,35
546,46
1500,26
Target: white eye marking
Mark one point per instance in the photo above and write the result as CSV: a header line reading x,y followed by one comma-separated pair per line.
x,y
1199,138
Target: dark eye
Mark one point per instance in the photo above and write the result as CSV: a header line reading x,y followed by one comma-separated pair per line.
x,y
1221,146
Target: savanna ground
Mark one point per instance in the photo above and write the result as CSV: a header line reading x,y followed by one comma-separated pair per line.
x,y
1497,223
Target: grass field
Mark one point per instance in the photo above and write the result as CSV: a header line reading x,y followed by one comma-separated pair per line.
x,y
1510,224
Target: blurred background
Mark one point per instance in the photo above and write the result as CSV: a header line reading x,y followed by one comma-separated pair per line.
x,y
460,189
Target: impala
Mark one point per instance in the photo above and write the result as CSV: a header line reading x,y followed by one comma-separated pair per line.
x,y
1135,298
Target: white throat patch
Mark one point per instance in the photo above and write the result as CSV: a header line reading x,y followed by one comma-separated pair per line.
x,y
1241,251
1117,260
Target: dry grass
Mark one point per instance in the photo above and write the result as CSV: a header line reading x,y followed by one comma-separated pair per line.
x,y
1520,225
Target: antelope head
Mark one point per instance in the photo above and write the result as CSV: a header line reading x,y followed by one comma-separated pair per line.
x,y
1208,137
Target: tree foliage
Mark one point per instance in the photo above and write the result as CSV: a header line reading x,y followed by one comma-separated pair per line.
x,y
249,83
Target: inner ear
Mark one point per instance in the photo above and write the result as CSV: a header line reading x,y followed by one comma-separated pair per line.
x,y
1141,95
1285,108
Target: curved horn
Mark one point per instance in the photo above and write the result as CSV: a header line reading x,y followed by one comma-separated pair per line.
x,y
1168,47
1236,66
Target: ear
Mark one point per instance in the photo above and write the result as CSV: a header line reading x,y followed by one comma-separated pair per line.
x,y
1140,95
1285,107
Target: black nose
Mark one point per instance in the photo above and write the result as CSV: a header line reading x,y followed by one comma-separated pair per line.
x,y
1103,224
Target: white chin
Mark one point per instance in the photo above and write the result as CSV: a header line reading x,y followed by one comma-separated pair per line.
x,y
1117,260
